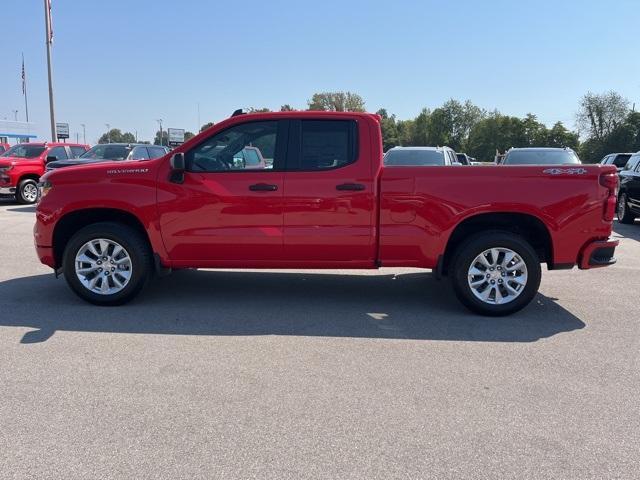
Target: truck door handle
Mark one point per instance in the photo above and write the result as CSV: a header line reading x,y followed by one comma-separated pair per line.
x,y
350,186
263,187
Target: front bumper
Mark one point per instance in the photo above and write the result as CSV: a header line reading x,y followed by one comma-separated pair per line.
x,y
7,190
598,254
45,254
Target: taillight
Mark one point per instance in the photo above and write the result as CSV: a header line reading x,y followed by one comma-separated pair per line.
x,y
610,182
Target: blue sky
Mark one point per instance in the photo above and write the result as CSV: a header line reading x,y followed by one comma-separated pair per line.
x,y
128,63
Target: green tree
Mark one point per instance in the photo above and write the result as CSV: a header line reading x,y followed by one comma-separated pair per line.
x,y
258,110
406,132
116,136
165,138
336,102
599,114
188,136
560,136
389,129
454,122
205,126
535,133
287,108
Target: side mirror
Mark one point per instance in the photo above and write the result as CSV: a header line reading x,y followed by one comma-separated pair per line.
x,y
177,168
456,163
51,158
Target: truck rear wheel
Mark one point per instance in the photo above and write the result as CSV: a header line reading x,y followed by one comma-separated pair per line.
x,y
496,273
27,191
624,214
107,263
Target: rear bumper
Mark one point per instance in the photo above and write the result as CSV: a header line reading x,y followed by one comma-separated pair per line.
x,y
598,254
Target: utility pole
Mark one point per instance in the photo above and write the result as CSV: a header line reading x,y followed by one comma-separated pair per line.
x,y
49,40
160,123
15,115
108,132
136,135
84,133
199,124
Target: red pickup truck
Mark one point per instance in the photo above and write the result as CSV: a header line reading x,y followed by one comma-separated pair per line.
x,y
22,166
322,200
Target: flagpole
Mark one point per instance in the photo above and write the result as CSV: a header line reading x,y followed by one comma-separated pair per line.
x,y
47,21
24,90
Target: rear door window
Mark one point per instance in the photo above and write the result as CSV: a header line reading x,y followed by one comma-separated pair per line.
x,y
325,145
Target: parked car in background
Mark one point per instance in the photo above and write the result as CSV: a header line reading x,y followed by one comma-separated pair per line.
x,y
617,159
416,156
328,202
4,147
629,193
22,166
105,152
540,156
249,158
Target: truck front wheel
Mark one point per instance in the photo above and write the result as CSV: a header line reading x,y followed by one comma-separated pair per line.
x,y
496,273
27,191
107,263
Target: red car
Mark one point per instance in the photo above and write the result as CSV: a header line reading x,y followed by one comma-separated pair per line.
x,y
325,201
22,165
4,147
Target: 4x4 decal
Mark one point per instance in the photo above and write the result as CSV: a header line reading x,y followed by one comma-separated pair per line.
x,y
565,171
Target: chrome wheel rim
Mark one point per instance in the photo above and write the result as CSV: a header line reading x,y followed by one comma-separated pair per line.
x,y
497,276
30,192
622,206
103,266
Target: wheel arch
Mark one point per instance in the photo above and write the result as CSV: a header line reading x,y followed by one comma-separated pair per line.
x,y
530,227
73,221
28,176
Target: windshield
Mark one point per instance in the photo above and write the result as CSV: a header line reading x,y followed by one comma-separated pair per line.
x,y
414,157
107,152
541,157
24,151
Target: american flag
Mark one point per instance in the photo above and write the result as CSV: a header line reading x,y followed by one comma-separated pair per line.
x,y
49,21
24,78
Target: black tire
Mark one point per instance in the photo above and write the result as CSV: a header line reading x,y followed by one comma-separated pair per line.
x,y
24,191
467,252
623,211
135,246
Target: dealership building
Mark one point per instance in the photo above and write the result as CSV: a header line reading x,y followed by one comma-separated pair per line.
x,y
17,131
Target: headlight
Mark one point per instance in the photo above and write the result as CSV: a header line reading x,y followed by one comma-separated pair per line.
x,y
44,188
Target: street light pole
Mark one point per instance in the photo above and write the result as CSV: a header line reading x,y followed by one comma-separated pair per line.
x,y
49,39
160,122
84,133
108,132
15,115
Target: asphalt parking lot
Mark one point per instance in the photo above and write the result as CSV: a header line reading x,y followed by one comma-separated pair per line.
x,y
339,374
